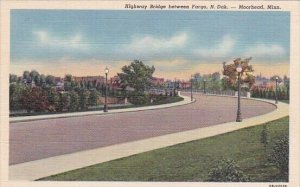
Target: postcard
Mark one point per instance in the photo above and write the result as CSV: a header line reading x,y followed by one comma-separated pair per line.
x,y
150,93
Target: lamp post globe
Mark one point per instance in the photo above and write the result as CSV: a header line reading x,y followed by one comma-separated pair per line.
x,y
239,115
105,102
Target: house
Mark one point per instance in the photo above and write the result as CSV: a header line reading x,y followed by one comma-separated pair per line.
x,y
155,81
93,80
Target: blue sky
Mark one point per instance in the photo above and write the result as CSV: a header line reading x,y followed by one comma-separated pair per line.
x,y
175,42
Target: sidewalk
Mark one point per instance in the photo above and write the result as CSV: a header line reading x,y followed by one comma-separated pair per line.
x,y
45,167
186,100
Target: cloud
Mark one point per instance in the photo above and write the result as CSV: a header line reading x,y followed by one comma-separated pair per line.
x,y
265,51
150,43
222,49
169,63
67,65
72,42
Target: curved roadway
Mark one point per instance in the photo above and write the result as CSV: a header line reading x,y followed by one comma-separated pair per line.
x,y
46,138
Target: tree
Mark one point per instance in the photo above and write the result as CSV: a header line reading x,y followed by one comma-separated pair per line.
x,y
286,82
74,101
69,82
16,92
35,99
26,75
280,154
13,78
230,73
53,99
64,101
137,75
50,80
83,98
42,80
197,81
35,76
93,98
265,136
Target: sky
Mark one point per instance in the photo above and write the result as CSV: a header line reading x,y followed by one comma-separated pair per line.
x,y
177,43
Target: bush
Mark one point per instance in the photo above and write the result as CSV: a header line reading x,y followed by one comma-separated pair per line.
x,y
280,155
74,101
35,99
227,171
138,98
264,139
64,101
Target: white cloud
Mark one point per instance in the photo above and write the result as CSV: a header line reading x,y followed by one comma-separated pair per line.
x,y
71,42
263,50
169,63
151,44
222,49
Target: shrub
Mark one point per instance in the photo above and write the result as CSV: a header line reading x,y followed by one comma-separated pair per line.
x,y
35,99
64,101
264,139
280,154
74,101
227,171
94,97
138,98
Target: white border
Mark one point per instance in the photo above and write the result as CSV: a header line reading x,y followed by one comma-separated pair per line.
x,y
6,6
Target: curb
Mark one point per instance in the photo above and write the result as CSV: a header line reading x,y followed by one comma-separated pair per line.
x,y
269,101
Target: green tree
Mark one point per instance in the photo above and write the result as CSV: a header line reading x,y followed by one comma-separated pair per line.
x,y
69,82
35,99
42,80
264,139
93,98
16,92
83,98
35,76
227,171
64,101
137,75
74,101
50,80
280,154
13,78
53,99
26,75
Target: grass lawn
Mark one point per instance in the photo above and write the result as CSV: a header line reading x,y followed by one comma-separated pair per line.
x,y
191,161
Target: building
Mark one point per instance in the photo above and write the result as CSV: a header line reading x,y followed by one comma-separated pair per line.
x,y
156,82
115,83
93,80
184,84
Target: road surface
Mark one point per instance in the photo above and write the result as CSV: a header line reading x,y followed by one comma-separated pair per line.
x,y
46,138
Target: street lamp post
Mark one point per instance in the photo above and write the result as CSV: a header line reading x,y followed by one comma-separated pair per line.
x,y
191,88
105,104
276,98
238,116
204,82
174,88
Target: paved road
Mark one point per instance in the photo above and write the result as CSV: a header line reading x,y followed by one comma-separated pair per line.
x,y
46,138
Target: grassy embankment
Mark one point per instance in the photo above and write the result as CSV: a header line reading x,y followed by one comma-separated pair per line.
x,y
191,161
